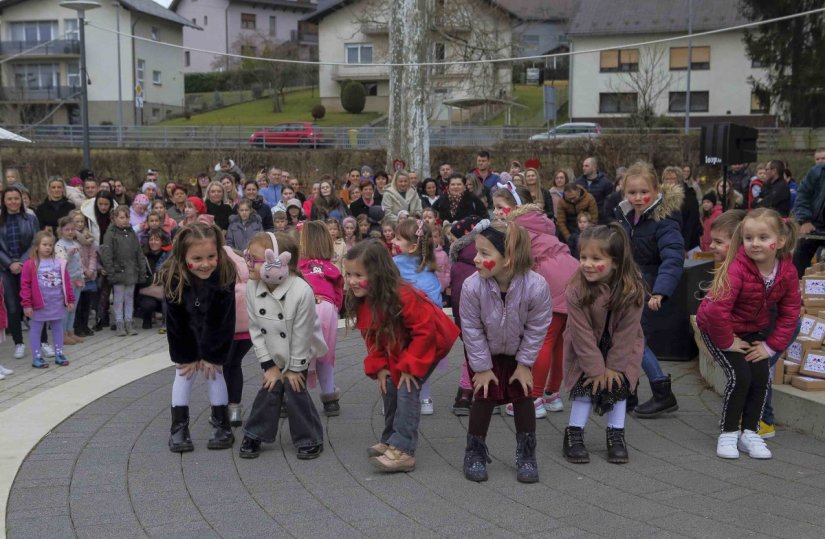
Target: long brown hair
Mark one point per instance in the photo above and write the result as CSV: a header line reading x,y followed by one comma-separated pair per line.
x,y
39,237
538,197
784,228
408,230
383,295
626,285
174,275
316,241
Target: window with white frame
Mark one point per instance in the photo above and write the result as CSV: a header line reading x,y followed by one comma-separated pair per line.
x,y
73,75
140,71
36,76
247,21
360,53
33,31
155,33
71,29
155,77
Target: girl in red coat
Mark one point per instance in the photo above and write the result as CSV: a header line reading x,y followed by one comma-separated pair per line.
x,y
406,336
734,319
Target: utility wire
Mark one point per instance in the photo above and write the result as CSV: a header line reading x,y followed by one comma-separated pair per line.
x,y
753,24
39,45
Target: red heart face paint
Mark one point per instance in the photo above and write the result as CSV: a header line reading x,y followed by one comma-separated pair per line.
x,y
489,264
191,266
506,211
600,267
363,284
647,199
772,247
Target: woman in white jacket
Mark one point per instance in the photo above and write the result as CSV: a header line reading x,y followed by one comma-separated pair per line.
x,y
400,196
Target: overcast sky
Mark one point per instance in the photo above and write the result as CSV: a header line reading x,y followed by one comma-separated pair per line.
x,y
164,3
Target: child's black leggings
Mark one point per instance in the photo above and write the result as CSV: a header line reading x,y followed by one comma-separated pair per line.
x,y
481,412
745,391
232,371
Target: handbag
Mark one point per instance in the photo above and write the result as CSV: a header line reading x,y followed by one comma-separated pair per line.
x,y
90,286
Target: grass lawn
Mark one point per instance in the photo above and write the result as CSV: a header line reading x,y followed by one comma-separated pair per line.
x,y
533,98
259,113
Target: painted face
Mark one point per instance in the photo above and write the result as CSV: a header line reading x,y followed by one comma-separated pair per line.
x,y
639,193
215,194
68,231
389,233
404,246
719,245
488,261
56,190
46,247
326,189
202,258
402,183
333,230
356,277
456,187
760,240
595,263
155,244
244,212
103,205
13,201
349,230
502,209
122,219
251,191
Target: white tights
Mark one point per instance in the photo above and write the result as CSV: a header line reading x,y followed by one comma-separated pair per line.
x,y
182,390
580,413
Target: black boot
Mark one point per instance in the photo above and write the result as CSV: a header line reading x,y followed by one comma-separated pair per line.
x,y
463,401
616,449
147,323
330,401
222,437
250,448
527,467
574,450
476,458
179,439
632,402
662,401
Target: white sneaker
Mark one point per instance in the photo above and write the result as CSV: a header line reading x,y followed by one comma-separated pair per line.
x,y
46,350
553,402
753,444
538,404
19,351
5,372
726,445
427,407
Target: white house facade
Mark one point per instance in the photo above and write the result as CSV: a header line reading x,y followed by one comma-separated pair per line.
x,y
352,34
609,85
44,84
227,22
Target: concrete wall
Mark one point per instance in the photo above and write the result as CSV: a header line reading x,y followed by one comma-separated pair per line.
x,y
158,57
726,80
211,16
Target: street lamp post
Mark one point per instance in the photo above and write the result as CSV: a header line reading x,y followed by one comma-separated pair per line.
x,y
81,6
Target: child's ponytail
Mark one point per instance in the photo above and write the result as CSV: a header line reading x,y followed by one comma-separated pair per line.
x,y
517,248
419,233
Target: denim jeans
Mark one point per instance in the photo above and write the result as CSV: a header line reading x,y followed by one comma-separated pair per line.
x,y
304,422
651,366
402,412
767,411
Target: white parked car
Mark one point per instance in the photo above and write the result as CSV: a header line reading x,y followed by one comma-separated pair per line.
x,y
573,130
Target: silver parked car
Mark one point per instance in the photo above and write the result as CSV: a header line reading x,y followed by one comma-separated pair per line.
x,y
573,130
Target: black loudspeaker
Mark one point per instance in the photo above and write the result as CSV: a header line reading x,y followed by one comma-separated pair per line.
x,y
670,335
727,144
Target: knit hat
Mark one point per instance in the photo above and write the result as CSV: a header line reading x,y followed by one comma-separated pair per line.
x,y
366,170
349,220
505,177
147,185
293,202
710,196
375,214
75,181
198,203
141,200
465,226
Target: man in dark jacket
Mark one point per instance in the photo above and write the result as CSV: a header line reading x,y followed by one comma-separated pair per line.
x,y
740,178
809,209
597,184
775,193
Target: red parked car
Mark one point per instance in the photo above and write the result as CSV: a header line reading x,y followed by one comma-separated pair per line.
x,y
291,134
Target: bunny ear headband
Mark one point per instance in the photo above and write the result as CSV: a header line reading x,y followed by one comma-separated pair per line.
x,y
484,228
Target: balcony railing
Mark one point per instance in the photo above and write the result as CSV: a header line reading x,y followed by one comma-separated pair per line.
x,y
360,72
56,93
69,47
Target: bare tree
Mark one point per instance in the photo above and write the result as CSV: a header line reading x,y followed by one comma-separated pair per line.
x,y
649,80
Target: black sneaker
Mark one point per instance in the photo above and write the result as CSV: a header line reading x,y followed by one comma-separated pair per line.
x,y
332,408
312,452
463,401
250,448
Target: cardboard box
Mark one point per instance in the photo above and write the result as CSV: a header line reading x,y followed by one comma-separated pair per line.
x,y
818,331
813,364
813,287
787,378
813,303
779,372
801,346
820,315
807,383
791,367
807,324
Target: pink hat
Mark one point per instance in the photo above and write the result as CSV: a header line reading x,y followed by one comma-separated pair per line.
x,y
75,181
141,200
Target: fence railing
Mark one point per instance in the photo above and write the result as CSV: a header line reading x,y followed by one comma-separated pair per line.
x,y
365,137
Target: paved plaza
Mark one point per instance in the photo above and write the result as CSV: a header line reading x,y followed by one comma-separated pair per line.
x,y
105,470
